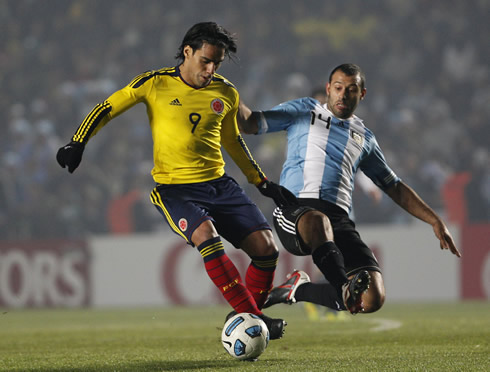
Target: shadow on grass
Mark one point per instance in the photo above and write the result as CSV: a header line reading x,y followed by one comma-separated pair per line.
x,y
176,365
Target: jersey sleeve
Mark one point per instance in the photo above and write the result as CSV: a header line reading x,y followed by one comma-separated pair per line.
x,y
236,147
114,105
374,165
283,115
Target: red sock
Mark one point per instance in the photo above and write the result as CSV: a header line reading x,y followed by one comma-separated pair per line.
x,y
259,277
226,277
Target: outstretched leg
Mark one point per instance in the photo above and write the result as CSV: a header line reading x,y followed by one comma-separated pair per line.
x,y
298,288
316,233
305,230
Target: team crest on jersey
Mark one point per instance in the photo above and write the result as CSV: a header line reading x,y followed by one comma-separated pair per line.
x,y
217,105
183,224
356,137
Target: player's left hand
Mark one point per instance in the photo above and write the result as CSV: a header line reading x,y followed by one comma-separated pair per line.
x,y
70,155
445,238
281,195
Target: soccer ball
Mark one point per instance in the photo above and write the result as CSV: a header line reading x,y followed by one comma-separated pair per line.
x,y
245,336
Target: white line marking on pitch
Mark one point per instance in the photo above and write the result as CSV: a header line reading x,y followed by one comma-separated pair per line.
x,y
384,324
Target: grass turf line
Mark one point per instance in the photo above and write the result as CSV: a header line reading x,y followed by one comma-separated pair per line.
x,y
419,337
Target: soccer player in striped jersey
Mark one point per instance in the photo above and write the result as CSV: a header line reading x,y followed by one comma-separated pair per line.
x,y
327,145
192,113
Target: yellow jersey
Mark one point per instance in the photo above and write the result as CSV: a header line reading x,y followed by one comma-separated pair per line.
x,y
188,126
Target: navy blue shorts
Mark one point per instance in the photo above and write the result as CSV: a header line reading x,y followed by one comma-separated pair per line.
x,y
223,201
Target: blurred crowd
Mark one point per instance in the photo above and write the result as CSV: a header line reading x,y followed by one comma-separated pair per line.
x,y
427,68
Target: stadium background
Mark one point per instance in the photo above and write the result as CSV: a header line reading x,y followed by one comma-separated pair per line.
x,y
428,80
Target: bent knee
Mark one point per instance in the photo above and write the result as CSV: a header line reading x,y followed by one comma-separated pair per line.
x,y
315,228
269,249
260,243
375,296
373,302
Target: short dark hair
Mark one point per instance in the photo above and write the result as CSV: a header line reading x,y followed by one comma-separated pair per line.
x,y
349,69
208,32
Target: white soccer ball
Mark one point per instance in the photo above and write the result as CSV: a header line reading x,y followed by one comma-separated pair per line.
x,y
245,336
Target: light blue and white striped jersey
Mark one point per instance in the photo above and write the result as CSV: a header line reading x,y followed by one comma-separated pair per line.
x,y
324,152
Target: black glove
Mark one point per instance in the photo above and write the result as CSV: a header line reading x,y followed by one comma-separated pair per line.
x,y
70,155
281,196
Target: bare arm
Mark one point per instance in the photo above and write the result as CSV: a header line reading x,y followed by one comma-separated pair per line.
x,y
247,119
408,199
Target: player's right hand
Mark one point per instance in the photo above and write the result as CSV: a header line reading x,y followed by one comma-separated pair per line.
x,y
70,155
281,195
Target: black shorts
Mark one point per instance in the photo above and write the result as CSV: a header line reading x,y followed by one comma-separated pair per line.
x,y
357,255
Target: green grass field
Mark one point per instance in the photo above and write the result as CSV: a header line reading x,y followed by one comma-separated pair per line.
x,y
411,337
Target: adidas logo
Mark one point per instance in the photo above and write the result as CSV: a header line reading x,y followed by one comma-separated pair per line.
x,y
175,102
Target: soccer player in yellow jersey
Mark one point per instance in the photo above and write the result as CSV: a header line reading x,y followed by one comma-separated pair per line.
x,y
192,113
